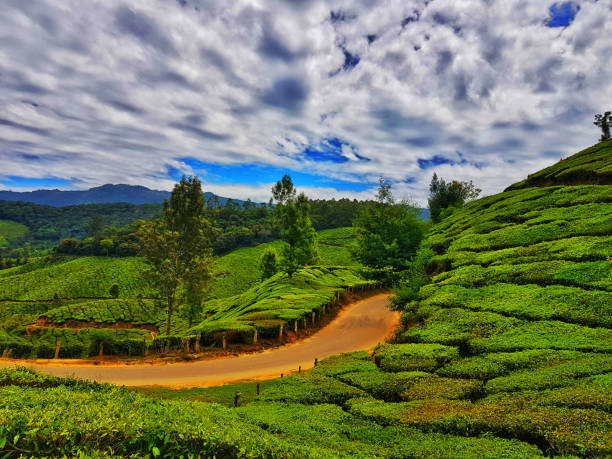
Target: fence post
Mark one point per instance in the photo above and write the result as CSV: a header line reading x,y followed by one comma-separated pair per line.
x,y
300,369
236,397
197,343
316,362
295,327
224,341
144,347
280,333
57,349
101,351
313,317
257,388
255,336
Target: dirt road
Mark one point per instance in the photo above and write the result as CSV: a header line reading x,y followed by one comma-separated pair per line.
x,y
358,326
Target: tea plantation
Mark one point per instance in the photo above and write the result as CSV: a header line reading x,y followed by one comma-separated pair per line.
x,y
506,352
67,300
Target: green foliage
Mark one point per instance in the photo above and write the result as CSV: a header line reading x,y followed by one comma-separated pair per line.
x,y
434,387
11,233
413,357
278,300
553,302
388,233
177,250
382,385
268,263
114,291
445,198
412,279
588,166
292,217
84,277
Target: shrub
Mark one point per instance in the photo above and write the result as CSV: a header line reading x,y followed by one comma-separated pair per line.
x,y
413,357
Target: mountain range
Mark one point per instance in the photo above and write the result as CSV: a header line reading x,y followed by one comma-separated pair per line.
x,y
133,194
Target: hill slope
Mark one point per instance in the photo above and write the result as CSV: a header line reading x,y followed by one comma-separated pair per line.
x,y
507,352
590,166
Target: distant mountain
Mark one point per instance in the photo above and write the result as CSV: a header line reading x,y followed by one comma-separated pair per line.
x,y
132,194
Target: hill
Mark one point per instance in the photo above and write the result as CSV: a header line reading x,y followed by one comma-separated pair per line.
x,y
590,166
510,341
11,232
132,194
76,289
505,352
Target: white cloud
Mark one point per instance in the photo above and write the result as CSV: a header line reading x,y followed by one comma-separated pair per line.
x,y
116,91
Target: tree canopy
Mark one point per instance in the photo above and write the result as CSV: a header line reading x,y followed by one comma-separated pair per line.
x,y
177,248
292,218
444,196
388,233
603,122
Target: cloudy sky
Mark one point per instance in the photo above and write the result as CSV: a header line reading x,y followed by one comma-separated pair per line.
x,y
335,93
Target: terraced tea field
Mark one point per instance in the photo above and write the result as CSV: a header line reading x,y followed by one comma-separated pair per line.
x,y
506,352
68,301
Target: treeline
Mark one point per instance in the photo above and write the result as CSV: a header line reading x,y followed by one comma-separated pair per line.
x,y
235,226
48,224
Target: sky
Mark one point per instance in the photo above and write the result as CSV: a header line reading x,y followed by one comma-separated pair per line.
x,y
334,93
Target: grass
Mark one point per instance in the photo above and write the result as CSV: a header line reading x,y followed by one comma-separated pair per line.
x,y
11,232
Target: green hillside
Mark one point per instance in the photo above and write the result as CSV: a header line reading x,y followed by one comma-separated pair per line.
x,y
506,352
92,277
11,232
511,341
590,166
73,292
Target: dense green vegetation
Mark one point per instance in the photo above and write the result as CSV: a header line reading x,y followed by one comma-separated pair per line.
x,y
11,232
75,292
505,351
589,166
240,225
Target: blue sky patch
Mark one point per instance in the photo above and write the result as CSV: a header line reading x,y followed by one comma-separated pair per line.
x,y
255,174
562,14
434,161
330,150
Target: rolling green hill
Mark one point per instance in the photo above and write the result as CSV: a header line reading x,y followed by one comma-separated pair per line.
x,y
506,352
92,277
511,340
75,290
11,232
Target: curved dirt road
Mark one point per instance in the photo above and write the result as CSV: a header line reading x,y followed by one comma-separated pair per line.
x,y
359,326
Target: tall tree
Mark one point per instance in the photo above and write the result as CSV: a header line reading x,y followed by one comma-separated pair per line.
x,y
292,217
388,233
444,197
603,122
177,246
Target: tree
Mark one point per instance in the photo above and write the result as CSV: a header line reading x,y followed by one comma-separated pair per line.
x,y
177,245
95,226
388,233
292,217
445,197
106,245
114,291
268,263
196,285
603,122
